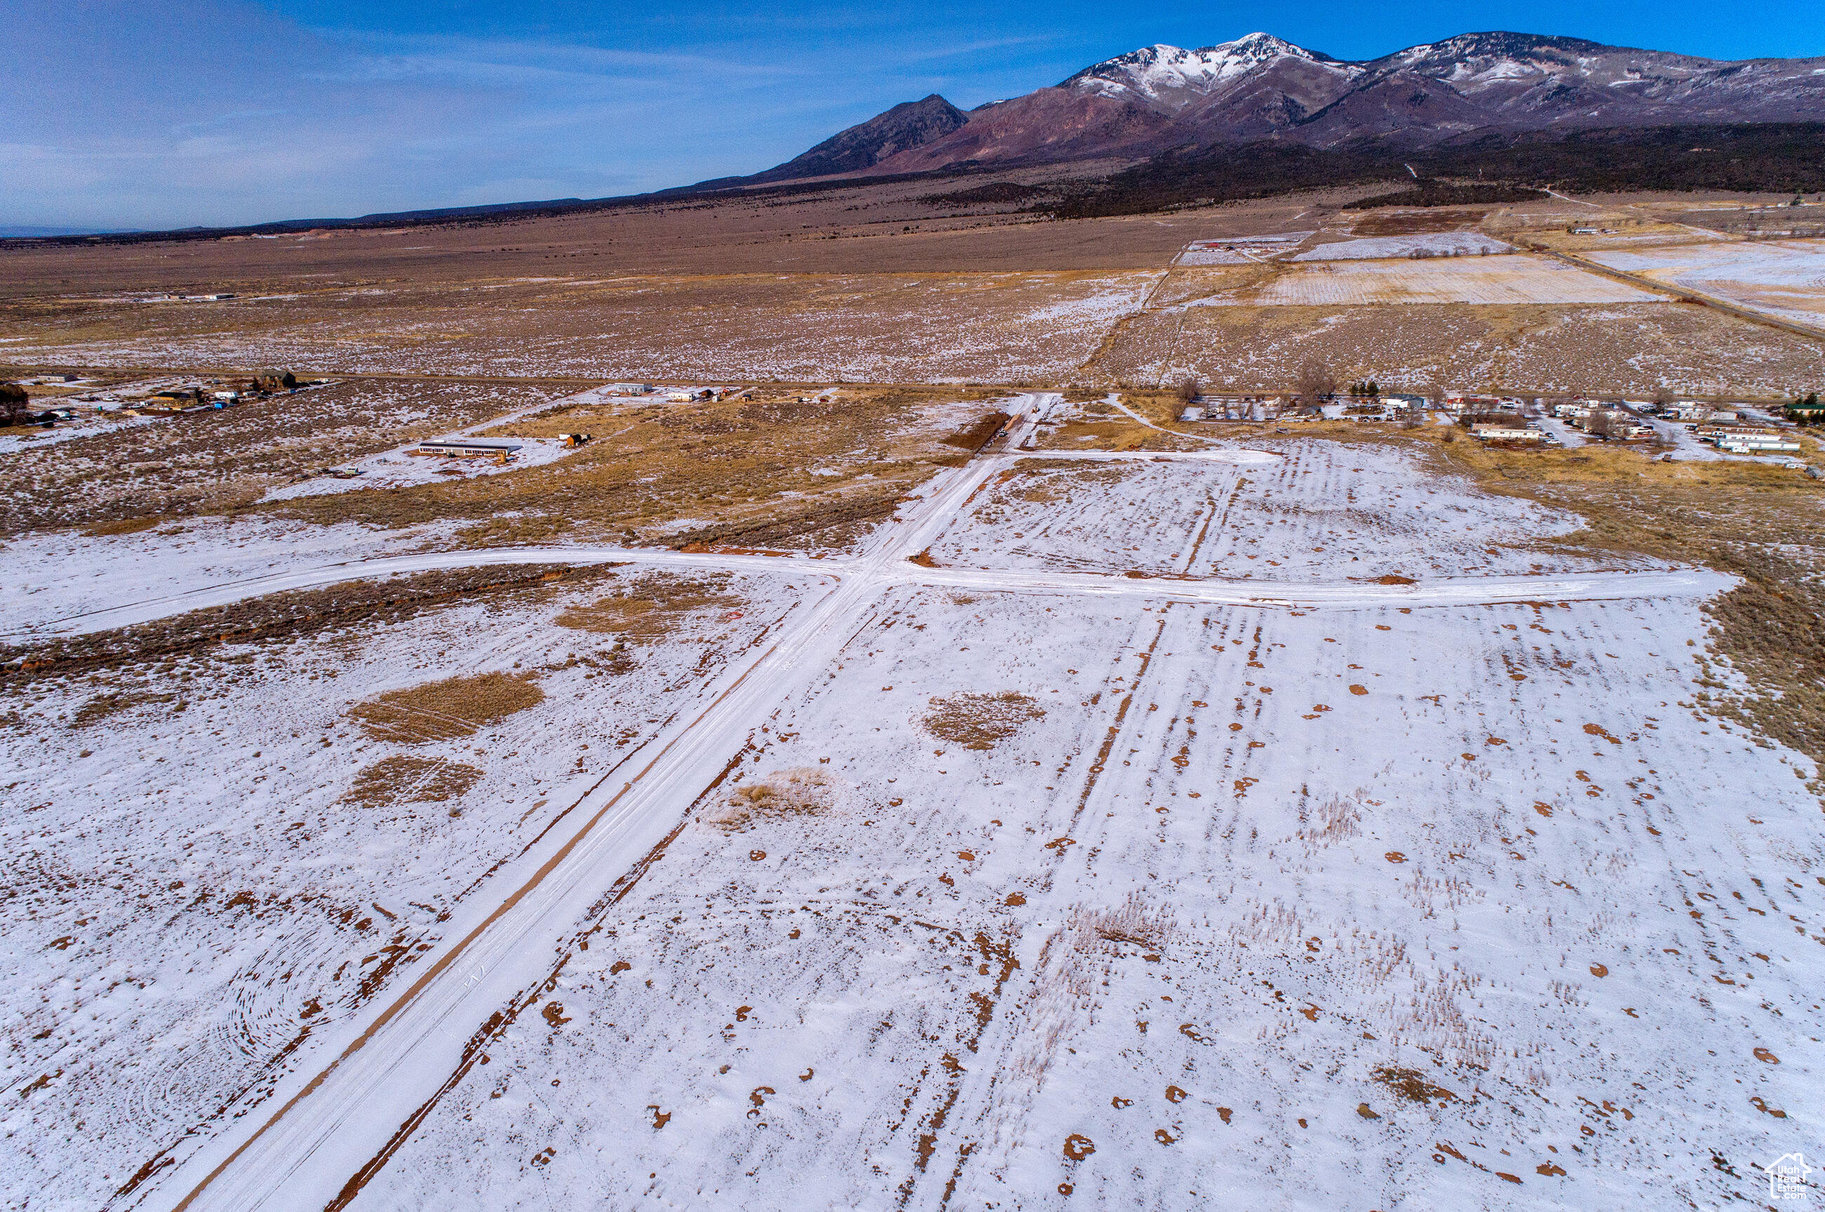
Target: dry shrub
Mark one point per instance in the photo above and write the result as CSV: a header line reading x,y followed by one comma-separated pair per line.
x,y
1132,924
411,780
980,721
1334,820
1427,893
441,711
1412,1085
801,791
651,607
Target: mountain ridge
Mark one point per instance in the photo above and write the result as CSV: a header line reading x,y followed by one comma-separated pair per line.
x,y
1162,98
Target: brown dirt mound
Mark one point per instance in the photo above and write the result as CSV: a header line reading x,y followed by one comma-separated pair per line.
x,y
441,711
1412,1085
980,721
973,436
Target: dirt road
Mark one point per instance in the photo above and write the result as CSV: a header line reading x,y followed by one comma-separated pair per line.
x,y
336,1112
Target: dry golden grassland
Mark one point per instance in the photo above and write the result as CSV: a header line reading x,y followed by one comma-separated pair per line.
x,y
447,709
651,605
879,327
403,779
767,472
877,228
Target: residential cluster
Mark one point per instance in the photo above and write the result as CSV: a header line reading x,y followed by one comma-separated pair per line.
x,y
1538,421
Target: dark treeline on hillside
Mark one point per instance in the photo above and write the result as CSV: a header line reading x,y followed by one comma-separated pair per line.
x,y
1443,193
1766,158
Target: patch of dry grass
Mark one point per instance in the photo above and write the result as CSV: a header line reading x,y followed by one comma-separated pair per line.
x,y
652,606
441,711
124,526
801,791
402,779
980,721
769,471
1411,1085
105,706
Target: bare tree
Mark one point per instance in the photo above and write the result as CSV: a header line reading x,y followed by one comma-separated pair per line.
x,y
14,403
1416,415
1607,423
1316,383
1187,389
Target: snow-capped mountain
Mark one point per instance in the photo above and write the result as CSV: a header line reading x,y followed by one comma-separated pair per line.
x,y
1262,87
1174,77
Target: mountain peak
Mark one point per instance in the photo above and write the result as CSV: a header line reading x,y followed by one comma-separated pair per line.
x,y
1165,73
907,125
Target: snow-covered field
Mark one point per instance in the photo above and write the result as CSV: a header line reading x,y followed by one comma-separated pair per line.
x,y
1509,278
15,438
402,468
1785,277
215,867
1241,250
1200,255
1327,511
49,577
1000,871
1430,908
1428,244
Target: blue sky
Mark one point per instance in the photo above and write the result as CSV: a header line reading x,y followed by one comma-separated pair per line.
x,y
121,114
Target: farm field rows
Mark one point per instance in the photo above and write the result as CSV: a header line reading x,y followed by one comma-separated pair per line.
x,y
1505,278
1786,278
1323,512
1429,244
